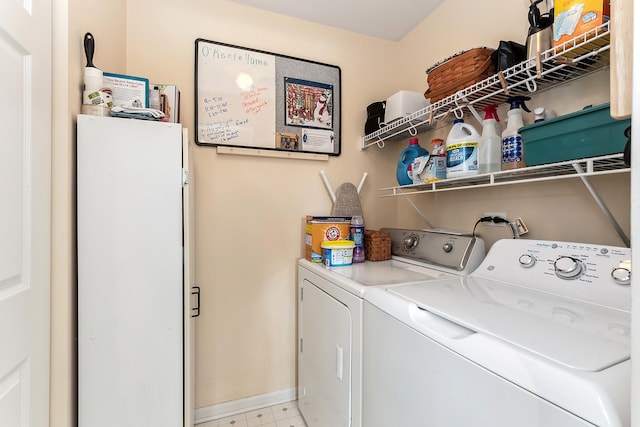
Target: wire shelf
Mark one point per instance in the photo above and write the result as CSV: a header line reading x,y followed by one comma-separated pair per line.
x,y
559,65
593,166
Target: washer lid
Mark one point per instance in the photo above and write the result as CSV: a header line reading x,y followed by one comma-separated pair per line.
x,y
575,334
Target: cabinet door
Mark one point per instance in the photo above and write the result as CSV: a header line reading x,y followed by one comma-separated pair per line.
x,y
621,58
130,283
325,359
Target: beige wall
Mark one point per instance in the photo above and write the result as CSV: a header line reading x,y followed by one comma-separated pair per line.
x,y
249,210
71,20
561,210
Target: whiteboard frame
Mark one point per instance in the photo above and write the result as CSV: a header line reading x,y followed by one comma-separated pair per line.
x,y
286,67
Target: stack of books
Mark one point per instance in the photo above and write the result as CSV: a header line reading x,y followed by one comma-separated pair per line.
x,y
136,98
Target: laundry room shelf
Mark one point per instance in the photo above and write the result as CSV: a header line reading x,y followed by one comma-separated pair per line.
x,y
581,168
559,65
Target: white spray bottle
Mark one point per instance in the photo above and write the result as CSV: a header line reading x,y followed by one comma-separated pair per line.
x,y
512,148
490,143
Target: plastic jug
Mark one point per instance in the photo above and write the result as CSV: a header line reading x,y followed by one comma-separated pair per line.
x,y
403,172
462,150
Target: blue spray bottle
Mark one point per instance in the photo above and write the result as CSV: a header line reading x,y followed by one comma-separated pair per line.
x,y
512,149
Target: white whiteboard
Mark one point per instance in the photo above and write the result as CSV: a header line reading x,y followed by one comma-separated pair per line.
x,y
256,99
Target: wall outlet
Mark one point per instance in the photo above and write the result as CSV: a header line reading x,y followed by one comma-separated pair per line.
x,y
494,214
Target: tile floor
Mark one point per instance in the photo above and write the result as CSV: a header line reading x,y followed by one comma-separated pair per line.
x,y
283,415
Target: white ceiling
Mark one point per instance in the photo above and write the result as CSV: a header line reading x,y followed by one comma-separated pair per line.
x,y
384,19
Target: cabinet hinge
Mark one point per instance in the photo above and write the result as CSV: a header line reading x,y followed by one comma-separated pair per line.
x,y
301,344
195,292
185,177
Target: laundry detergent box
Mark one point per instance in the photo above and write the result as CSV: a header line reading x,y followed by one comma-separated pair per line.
x,y
573,18
320,229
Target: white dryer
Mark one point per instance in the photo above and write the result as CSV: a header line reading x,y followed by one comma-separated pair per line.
x,y
537,336
330,316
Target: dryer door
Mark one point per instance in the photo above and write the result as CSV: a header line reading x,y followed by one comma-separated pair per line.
x,y
324,365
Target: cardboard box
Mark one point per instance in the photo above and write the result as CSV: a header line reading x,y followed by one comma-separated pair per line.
x,y
322,228
576,17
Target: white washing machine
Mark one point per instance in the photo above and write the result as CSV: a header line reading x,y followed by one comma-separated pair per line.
x,y
330,316
536,336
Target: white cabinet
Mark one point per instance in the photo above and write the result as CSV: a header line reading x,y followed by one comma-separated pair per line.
x,y
131,292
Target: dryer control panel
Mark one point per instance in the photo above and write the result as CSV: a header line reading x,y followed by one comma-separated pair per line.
x,y
455,252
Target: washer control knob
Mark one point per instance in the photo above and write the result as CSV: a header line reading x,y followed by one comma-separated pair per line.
x,y
447,247
621,275
527,261
411,241
567,267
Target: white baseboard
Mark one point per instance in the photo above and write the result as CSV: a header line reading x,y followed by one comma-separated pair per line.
x,y
227,409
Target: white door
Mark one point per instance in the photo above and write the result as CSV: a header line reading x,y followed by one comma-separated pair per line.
x,y
25,181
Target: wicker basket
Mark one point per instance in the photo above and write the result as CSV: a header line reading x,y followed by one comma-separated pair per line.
x,y
377,245
459,72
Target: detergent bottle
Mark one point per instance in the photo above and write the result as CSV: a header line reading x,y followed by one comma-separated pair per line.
x,y
512,148
437,168
356,233
432,167
490,144
419,168
462,150
403,172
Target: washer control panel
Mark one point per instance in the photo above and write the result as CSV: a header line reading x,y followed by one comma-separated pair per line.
x,y
593,273
567,267
527,260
